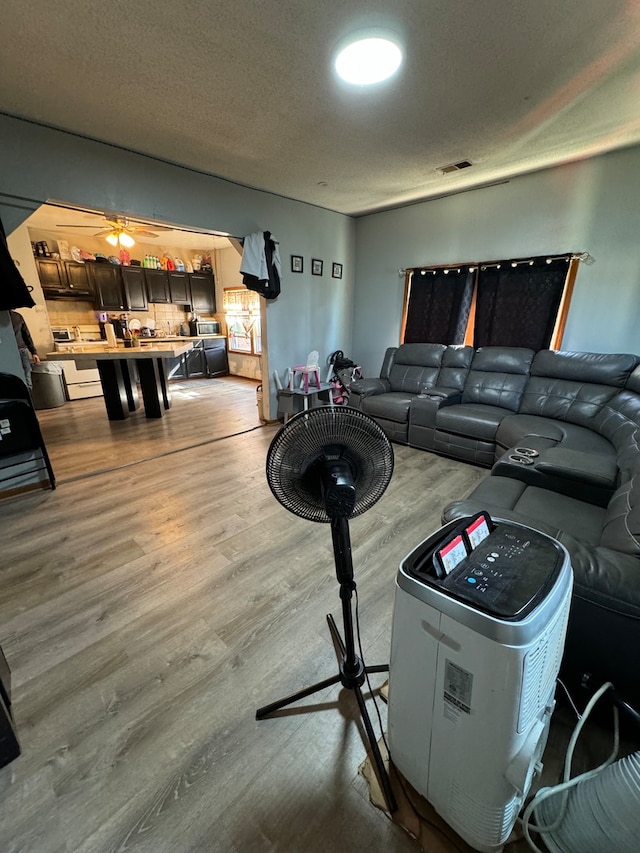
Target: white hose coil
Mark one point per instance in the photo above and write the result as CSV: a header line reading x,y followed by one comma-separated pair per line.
x,y
602,814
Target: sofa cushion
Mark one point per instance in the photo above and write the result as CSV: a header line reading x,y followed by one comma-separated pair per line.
x,y
565,400
393,406
539,508
619,422
613,369
513,428
471,419
621,528
415,366
575,386
498,376
456,362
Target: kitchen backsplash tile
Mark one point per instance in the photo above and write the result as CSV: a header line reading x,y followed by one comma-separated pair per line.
x,y
168,318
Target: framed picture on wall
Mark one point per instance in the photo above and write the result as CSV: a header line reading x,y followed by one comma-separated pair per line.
x,y
336,271
316,266
297,263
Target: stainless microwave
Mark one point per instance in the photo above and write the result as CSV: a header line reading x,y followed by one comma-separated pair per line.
x,y
205,327
61,334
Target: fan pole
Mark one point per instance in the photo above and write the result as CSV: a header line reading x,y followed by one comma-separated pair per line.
x,y
352,670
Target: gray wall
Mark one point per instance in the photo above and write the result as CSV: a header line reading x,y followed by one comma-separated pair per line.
x,y
588,206
312,313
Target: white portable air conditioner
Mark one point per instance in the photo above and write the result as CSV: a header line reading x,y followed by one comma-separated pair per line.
x,y
475,653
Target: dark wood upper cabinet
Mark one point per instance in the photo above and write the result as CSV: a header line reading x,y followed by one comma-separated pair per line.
x,y
157,285
179,287
77,275
51,273
119,288
108,287
64,279
203,294
135,290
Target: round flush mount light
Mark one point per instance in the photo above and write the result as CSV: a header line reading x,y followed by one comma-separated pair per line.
x,y
368,58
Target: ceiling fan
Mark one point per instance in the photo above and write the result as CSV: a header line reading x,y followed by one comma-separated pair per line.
x,y
120,229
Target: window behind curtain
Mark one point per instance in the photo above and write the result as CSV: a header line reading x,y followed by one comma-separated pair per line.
x,y
438,306
516,306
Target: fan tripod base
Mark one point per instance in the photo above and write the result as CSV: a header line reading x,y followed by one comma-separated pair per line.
x,y
352,676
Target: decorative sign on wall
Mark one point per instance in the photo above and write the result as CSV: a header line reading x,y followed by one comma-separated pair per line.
x,y
297,263
336,271
316,266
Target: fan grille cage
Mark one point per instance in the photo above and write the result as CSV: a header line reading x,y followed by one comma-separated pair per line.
x,y
303,442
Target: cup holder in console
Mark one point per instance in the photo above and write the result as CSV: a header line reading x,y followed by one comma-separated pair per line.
x,y
526,451
520,460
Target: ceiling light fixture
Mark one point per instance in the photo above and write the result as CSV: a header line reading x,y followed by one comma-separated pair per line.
x,y
120,237
368,58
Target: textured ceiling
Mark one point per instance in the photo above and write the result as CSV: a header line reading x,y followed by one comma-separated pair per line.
x,y
245,89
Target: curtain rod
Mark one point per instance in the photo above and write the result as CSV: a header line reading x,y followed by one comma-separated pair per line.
x,y
472,265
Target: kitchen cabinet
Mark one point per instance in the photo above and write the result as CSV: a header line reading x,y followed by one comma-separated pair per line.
x,y
64,279
157,285
176,367
77,275
207,358
108,287
203,294
51,273
195,363
179,292
188,366
215,353
119,288
135,290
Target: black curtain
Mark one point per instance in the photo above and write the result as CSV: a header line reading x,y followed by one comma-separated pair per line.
x,y
516,306
438,308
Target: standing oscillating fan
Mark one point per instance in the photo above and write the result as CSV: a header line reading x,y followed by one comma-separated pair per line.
x,y
328,465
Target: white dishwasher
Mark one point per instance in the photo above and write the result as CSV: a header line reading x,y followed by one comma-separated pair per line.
x,y
82,381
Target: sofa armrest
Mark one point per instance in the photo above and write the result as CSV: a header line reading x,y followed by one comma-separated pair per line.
x,y
369,387
425,405
580,466
445,396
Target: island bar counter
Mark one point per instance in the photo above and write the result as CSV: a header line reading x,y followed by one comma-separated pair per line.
x,y
119,388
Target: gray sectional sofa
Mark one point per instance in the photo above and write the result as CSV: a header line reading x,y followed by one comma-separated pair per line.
x,y
560,432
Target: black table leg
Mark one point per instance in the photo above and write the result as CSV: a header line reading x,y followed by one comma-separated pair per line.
x,y
164,383
131,386
114,387
151,373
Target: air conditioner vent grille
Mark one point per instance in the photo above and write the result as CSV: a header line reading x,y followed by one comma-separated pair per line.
x,y
454,167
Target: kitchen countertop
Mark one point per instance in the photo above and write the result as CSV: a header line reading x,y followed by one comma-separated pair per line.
x,y
93,352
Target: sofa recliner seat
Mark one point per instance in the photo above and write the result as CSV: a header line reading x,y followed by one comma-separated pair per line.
x,y
407,372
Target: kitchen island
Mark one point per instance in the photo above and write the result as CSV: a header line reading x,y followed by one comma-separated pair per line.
x,y
116,376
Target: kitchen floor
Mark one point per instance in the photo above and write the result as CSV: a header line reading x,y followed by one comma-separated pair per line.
x,y
81,440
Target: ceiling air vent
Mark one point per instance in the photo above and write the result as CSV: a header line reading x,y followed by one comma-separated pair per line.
x,y
454,167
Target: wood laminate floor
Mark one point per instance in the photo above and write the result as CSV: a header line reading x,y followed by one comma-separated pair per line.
x,y
159,596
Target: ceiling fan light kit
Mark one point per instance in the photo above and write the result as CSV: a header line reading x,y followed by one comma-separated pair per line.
x,y
120,237
119,230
